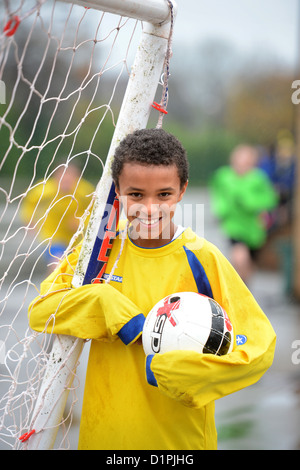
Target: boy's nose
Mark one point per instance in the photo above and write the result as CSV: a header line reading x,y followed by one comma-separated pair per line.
x,y
149,207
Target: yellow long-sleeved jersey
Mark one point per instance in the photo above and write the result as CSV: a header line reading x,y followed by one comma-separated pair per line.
x,y
166,401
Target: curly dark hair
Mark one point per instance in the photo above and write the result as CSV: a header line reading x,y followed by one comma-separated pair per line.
x,y
151,147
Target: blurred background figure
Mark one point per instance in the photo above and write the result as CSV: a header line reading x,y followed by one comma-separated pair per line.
x,y
53,209
280,166
240,195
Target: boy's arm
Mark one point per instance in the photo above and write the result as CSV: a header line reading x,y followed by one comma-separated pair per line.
x,y
196,379
92,311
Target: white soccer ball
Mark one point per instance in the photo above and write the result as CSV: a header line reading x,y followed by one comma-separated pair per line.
x,y
188,321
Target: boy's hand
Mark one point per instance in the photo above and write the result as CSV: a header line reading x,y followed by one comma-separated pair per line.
x,y
139,340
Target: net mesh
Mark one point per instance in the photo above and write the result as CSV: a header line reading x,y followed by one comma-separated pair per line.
x,y
63,72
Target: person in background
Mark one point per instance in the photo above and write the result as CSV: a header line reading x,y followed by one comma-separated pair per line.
x,y
280,167
240,195
53,208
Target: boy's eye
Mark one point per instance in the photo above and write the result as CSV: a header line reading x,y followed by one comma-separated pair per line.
x,y
135,195
165,194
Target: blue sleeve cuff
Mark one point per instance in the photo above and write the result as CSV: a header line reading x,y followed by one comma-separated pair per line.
x,y
149,374
130,331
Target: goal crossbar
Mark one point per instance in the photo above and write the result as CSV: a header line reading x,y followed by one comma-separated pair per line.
x,y
152,11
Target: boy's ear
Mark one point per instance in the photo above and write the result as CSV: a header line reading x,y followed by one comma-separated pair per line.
x,y
117,191
182,191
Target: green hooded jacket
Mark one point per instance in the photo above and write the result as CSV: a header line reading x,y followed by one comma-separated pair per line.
x,y
239,202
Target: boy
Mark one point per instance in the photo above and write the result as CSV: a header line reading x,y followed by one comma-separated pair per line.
x,y
171,406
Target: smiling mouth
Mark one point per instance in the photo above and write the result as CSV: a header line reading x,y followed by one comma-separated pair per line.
x,y
149,222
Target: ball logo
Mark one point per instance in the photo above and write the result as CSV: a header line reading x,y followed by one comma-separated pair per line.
x,y
157,332
170,304
227,321
164,313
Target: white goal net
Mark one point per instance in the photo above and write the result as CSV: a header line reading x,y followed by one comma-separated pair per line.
x,y
63,73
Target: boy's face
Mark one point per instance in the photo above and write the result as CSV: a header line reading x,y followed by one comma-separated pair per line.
x,y
149,195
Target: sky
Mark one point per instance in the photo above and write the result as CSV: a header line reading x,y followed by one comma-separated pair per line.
x,y
251,26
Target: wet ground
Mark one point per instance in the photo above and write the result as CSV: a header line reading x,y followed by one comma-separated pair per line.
x,y
267,414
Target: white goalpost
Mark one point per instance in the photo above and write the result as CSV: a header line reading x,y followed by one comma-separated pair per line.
x,y
36,411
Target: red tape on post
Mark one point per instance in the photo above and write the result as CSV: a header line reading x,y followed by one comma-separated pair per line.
x,y
159,108
26,436
11,26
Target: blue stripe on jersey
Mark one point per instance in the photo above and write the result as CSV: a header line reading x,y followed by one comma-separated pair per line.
x,y
149,374
132,329
199,274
